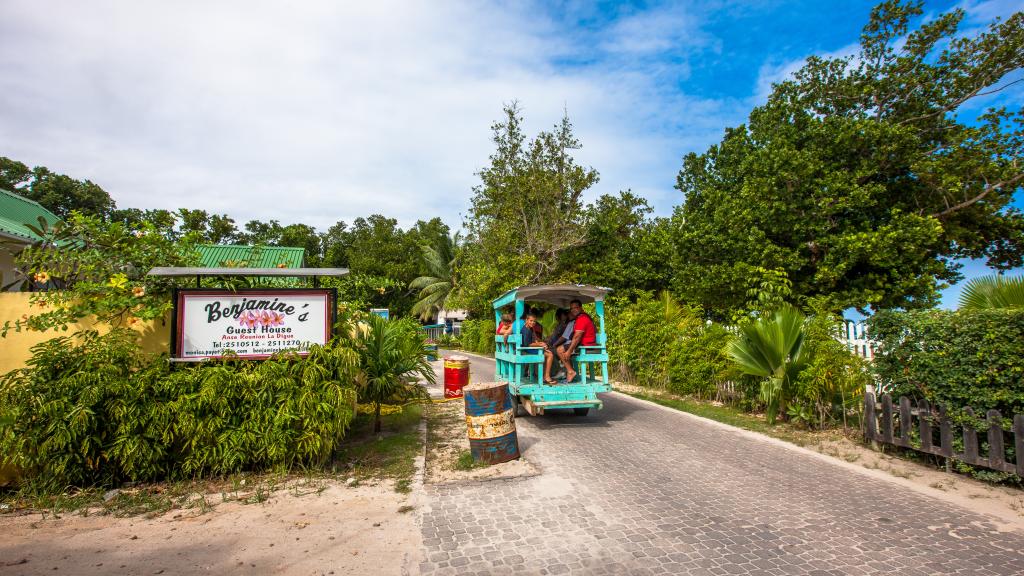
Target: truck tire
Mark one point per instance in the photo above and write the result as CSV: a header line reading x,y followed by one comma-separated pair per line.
x,y
580,411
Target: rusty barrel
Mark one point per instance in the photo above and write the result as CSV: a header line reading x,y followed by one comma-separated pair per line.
x,y
490,422
456,375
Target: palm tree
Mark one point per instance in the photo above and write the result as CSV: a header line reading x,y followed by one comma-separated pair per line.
x,y
438,280
392,358
996,291
772,347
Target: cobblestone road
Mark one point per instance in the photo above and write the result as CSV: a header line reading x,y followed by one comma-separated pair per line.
x,y
636,489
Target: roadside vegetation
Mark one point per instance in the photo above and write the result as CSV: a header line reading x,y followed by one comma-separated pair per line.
x,y
859,184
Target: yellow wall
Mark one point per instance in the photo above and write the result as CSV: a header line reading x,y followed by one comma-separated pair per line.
x,y
14,349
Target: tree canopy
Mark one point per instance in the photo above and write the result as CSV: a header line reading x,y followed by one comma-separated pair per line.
x,y
858,179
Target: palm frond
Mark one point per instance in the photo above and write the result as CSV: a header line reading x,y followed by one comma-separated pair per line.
x,y
991,292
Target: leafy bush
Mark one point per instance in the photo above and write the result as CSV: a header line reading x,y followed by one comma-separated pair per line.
x,y
95,268
93,410
641,339
832,384
478,336
699,366
957,358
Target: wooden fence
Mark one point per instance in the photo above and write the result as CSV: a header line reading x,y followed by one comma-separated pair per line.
x,y
933,423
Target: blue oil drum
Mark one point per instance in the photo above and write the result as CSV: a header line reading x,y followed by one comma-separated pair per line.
x,y
490,423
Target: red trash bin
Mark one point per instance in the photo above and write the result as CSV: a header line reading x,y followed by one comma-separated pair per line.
x,y
456,375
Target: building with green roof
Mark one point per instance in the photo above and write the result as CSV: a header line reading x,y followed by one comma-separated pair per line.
x,y
236,256
17,214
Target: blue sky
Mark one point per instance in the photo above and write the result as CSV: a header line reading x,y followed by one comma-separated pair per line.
x,y
322,111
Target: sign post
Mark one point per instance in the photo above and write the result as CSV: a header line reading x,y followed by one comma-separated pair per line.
x,y
250,324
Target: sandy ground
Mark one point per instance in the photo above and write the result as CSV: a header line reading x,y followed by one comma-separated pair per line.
x,y
342,530
447,440
1003,503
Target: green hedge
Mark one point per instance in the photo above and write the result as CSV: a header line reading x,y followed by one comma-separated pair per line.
x,y
478,336
667,346
92,410
956,358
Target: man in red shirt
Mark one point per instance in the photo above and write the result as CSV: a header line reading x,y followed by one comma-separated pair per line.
x,y
584,334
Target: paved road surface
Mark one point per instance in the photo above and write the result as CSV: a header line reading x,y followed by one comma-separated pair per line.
x,y
637,489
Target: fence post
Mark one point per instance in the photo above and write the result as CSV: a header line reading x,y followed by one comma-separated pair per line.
x,y
924,416
1018,442
946,438
887,418
870,423
905,418
996,452
970,438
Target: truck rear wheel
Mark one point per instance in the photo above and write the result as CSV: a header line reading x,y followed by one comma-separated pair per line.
x,y
517,407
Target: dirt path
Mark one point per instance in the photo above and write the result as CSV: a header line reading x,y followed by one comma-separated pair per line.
x,y
342,530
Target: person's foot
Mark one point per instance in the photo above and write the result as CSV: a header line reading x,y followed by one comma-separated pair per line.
x,y
571,378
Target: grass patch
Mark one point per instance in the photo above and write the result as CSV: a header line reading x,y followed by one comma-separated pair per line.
x,y
390,454
467,462
735,417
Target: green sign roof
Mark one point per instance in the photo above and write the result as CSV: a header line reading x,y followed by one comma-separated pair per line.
x,y
235,256
17,211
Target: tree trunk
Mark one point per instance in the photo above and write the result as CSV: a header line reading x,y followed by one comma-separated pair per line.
x,y
376,417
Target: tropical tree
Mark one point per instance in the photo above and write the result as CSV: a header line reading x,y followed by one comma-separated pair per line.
x,y
772,348
438,281
392,357
994,291
866,177
526,214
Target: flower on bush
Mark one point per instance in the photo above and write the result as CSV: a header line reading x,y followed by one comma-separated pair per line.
x,y
139,291
41,277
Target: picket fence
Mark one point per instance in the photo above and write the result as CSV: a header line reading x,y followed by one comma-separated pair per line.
x,y
880,420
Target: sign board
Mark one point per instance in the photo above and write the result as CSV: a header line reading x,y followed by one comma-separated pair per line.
x,y
382,312
253,324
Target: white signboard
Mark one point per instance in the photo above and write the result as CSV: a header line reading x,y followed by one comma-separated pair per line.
x,y
251,323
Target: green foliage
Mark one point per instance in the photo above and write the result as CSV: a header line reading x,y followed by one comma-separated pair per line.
x,y
362,292
988,292
964,358
832,383
478,336
92,410
392,356
58,193
99,269
857,178
772,348
623,248
438,280
525,213
698,364
658,342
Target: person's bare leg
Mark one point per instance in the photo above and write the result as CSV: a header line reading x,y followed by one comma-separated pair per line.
x,y
563,353
549,359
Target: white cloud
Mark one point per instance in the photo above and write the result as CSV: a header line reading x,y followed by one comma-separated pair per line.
x,y
320,111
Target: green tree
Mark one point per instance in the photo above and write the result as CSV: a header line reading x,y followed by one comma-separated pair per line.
x,y
857,178
624,248
58,193
303,236
393,357
438,279
380,248
100,268
526,212
989,292
336,244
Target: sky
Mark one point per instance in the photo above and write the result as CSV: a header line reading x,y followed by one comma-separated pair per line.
x,y
320,111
